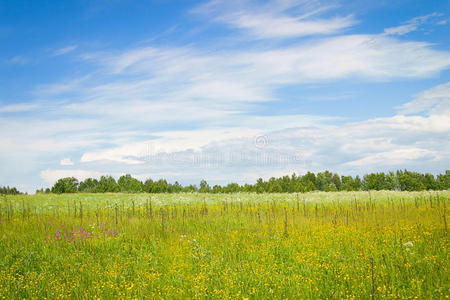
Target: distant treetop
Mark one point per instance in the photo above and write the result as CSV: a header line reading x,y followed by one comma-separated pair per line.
x,y
6,190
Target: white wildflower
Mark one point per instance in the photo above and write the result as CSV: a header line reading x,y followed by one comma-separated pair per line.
x,y
408,244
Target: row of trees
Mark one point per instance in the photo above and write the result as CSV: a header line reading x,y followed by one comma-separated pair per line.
x,y
327,181
6,190
323,181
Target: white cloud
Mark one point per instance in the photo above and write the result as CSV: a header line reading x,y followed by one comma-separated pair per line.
x,y
395,157
49,90
66,162
166,142
393,142
433,123
410,25
49,136
65,50
19,60
51,176
191,84
269,26
370,56
436,99
276,19
169,142
21,107
390,142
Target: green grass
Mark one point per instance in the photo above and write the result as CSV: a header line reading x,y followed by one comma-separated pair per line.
x,y
314,245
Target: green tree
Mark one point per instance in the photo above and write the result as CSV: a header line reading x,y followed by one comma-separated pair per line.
x,y
6,190
176,188
309,182
324,180
148,186
204,187
337,181
107,184
190,189
217,189
160,186
273,186
231,188
260,186
348,184
89,185
430,182
129,184
65,185
443,181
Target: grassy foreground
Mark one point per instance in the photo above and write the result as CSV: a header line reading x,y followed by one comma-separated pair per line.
x,y
315,245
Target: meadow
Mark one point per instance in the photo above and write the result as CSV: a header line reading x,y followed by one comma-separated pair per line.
x,y
318,245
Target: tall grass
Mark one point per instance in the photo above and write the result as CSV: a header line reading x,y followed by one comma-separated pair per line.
x,y
314,245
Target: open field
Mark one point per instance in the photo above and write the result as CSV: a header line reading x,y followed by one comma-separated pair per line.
x,y
314,245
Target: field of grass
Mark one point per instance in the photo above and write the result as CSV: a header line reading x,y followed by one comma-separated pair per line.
x,y
308,246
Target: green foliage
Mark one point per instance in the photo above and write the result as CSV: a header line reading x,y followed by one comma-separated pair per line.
x,y
443,181
88,186
6,190
204,187
323,181
129,184
107,184
65,185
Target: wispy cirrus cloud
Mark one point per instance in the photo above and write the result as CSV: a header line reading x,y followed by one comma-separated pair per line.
x,y
18,60
435,100
276,19
369,56
20,107
411,25
65,50
250,75
396,157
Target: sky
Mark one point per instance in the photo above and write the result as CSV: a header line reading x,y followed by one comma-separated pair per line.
x,y
227,91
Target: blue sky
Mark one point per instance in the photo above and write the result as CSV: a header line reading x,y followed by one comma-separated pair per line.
x,y
221,90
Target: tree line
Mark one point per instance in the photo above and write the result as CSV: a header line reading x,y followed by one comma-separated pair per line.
x,y
6,190
401,180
